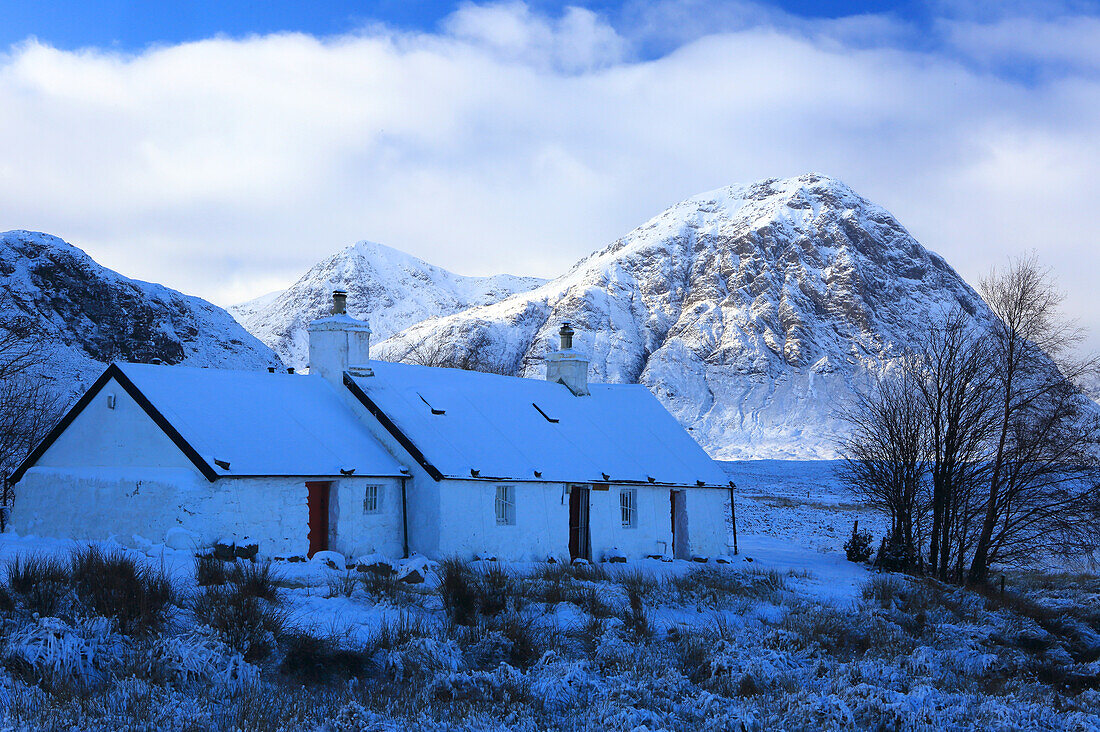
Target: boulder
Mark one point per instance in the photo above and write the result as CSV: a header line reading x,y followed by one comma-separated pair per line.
x,y
332,560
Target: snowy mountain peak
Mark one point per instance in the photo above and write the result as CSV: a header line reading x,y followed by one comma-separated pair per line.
x,y
750,311
389,288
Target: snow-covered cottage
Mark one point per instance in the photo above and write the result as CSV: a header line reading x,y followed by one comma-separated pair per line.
x,y
366,456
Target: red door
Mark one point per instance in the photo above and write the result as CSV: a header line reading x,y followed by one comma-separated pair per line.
x,y
318,517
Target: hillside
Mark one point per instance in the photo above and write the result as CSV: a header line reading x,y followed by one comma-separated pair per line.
x,y
91,315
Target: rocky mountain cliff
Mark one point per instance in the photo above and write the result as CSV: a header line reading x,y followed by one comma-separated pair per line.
x,y
391,289
751,312
91,315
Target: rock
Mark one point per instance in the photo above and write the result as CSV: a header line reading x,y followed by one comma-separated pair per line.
x,y
413,577
182,539
723,559
332,560
223,551
376,563
246,551
615,556
484,557
699,558
414,570
579,562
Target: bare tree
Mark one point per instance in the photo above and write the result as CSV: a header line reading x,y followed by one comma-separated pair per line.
x,y
884,459
1044,456
950,370
1008,441
29,407
437,352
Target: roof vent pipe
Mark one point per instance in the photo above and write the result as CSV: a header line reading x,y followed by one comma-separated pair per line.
x,y
339,302
566,334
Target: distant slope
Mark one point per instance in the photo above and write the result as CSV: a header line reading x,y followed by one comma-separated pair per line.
x,y
391,289
92,315
751,312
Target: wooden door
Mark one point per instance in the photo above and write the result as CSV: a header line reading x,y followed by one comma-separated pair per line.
x,y
578,523
679,525
318,516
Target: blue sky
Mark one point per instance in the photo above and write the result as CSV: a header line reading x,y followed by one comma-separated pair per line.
x,y
222,148
132,26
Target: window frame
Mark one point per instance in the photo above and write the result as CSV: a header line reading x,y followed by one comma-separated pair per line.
x,y
628,507
504,505
377,499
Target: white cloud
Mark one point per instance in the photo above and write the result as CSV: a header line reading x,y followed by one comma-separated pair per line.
x,y
512,141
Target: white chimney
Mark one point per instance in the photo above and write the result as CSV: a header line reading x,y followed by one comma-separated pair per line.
x,y
338,342
566,366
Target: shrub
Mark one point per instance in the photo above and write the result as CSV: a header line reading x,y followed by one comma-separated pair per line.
x,y
246,623
342,585
528,641
378,583
458,589
894,556
394,634
497,586
209,570
638,582
114,586
858,546
256,580
635,618
315,660
40,582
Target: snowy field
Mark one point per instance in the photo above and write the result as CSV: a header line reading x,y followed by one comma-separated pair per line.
x,y
788,636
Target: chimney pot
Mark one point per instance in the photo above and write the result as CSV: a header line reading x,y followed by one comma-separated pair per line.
x,y
290,370
566,334
270,369
339,302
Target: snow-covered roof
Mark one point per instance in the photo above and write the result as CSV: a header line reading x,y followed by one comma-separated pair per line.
x,y
244,423
261,423
473,425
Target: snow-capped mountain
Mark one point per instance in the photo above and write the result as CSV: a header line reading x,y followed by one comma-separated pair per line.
x,y
391,289
92,315
751,312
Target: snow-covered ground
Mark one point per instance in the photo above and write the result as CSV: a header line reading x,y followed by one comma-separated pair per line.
x,y
787,635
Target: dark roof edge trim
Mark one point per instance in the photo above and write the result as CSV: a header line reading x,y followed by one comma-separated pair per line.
x,y
393,429
585,481
114,372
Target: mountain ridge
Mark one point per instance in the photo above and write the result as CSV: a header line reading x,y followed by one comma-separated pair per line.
x,y
390,288
91,315
750,311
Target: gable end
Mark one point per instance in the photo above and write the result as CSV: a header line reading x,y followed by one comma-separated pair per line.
x,y
114,372
392,428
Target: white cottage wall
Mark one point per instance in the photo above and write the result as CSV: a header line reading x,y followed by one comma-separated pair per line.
x,y
354,531
468,523
93,504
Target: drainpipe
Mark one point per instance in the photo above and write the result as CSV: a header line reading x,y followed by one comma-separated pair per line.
x,y
404,517
733,517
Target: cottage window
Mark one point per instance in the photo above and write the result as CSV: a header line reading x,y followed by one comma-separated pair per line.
x,y
506,505
628,507
372,499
